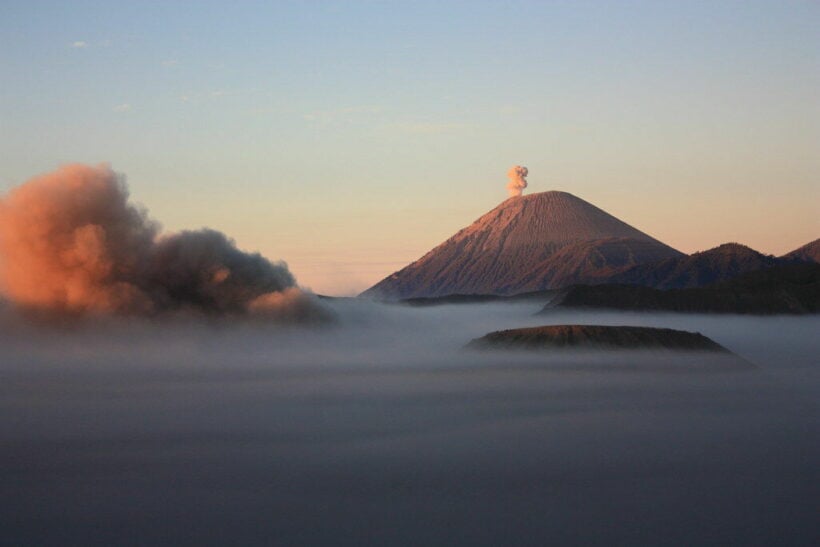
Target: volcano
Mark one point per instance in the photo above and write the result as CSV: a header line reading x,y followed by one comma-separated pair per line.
x,y
530,243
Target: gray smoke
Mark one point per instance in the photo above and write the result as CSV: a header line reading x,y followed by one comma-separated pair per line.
x,y
70,242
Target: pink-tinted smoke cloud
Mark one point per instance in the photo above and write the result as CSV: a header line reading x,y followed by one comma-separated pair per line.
x,y
70,242
518,180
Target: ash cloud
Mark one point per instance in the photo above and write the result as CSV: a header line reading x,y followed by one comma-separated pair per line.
x,y
72,243
518,180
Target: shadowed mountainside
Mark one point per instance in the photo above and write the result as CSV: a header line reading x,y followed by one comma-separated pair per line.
x,y
785,289
810,252
529,243
697,270
588,262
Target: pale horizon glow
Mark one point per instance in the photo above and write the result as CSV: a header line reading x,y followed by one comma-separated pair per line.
x,y
350,139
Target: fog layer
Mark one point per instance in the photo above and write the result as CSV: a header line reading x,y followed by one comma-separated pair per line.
x,y
381,430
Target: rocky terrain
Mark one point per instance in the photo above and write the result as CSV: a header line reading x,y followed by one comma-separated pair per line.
x,y
529,243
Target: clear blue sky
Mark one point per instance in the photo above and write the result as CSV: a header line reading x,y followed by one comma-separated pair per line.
x,y
348,138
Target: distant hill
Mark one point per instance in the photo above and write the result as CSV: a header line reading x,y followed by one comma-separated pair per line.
x,y
697,270
528,243
537,296
596,337
810,252
783,289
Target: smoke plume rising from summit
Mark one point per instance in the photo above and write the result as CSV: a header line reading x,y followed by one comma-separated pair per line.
x,y
70,242
518,180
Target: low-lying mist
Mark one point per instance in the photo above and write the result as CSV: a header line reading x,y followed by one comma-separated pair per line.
x,y
366,334
379,428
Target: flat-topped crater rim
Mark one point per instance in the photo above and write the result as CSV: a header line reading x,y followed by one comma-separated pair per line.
x,y
541,196
591,337
545,193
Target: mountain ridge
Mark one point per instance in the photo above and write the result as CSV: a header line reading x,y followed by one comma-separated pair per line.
x,y
699,269
810,252
791,288
507,249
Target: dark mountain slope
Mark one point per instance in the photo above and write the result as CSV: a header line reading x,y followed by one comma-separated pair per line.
x,y
810,252
785,289
697,270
